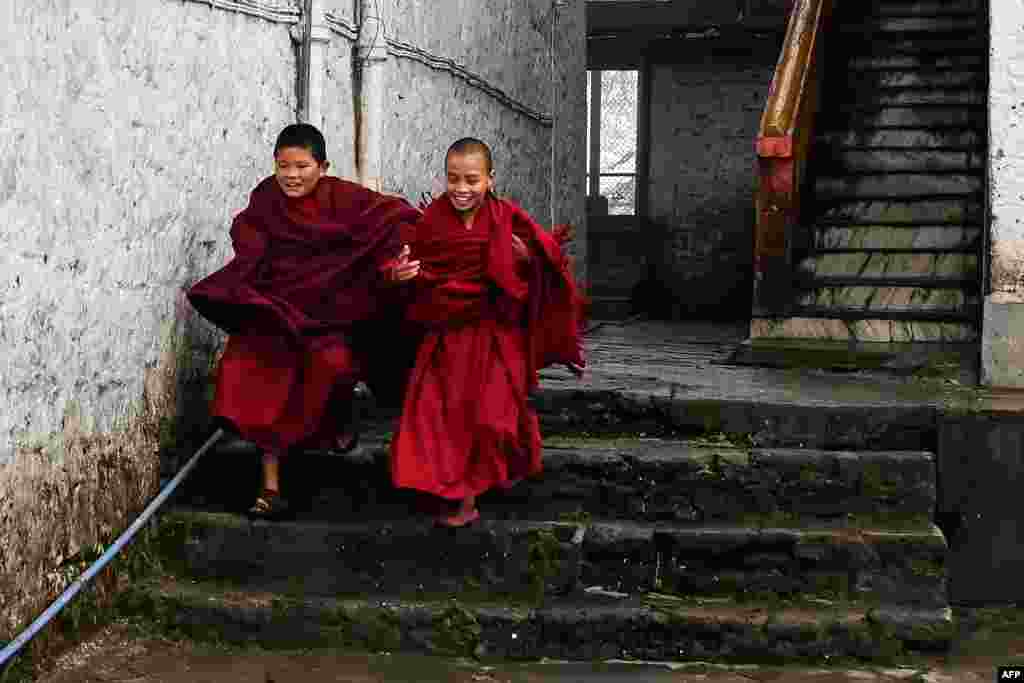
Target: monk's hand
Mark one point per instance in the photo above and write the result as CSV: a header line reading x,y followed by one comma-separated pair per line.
x,y
404,269
518,246
425,199
563,233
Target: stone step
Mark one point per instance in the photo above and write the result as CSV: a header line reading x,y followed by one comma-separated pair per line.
x,y
919,25
898,565
663,480
910,139
652,628
835,160
943,267
874,302
893,97
947,237
918,79
892,212
850,326
886,280
639,479
897,185
842,119
879,422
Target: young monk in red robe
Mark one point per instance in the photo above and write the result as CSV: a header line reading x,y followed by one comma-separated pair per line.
x,y
496,301
314,257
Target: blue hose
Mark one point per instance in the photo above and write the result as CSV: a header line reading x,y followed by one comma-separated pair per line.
x,y
71,591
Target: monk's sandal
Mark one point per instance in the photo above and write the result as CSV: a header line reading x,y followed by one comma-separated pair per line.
x,y
270,505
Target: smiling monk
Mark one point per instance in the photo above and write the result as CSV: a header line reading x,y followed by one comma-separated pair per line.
x,y
496,302
310,284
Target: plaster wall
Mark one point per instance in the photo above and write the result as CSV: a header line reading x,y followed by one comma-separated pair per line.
x,y
703,122
129,135
1003,321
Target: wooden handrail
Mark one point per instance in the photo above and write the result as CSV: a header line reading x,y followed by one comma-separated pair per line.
x,y
783,147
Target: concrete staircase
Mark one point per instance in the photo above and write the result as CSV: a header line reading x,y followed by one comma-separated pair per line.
x,y
892,238
648,537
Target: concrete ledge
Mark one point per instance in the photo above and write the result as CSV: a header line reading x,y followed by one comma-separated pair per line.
x,y
1002,345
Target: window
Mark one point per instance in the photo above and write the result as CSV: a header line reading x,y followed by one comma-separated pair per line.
x,y
612,98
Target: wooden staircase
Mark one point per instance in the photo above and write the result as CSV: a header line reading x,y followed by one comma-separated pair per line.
x,y
883,231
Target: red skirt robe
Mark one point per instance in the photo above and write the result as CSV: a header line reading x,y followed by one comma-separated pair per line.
x,y
306,284
490,322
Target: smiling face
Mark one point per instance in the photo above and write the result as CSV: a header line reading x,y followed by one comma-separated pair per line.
x,y
469,180
297,171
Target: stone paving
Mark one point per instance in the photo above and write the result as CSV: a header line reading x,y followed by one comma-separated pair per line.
x,y
115,656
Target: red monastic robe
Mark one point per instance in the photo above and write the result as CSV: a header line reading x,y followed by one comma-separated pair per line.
x,y
306,286
490,323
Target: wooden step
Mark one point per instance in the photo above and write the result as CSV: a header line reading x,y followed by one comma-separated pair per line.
x,y
917,79
931,117
850,325
839,160
925,8
897,185
891,212
910,98
908,25
976,63
886,264
915,139
975,45
884,237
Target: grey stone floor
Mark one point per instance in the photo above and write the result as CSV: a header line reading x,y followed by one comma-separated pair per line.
x,y
691,360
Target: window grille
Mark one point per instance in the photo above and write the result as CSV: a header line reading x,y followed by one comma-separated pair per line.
x,y
612,107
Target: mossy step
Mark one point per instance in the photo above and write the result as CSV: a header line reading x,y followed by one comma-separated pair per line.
x,y
904,565
635,478
900,418
665,480
901,564
571,629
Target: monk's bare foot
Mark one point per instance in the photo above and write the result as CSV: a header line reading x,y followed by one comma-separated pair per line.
x,y
460,519
347,442
467,514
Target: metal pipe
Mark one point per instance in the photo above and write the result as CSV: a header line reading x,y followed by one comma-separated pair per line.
x,y
71,591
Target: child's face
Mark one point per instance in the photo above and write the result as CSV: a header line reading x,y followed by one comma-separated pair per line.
x,y
469,180
297,172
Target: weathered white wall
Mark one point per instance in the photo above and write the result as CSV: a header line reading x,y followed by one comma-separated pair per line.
x,y
506,43
1003,324
129,134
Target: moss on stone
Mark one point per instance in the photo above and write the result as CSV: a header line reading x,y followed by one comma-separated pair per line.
x,y
543,560
456,631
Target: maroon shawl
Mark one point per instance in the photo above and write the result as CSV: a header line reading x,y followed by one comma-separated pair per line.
x,y
452,289
303,277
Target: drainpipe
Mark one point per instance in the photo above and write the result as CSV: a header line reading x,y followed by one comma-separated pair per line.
x,y
313,36
372,58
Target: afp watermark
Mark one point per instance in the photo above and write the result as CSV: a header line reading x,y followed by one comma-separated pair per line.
x,y
1010,673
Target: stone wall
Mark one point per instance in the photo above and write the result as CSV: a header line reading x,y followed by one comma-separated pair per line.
x,y
129,136
705,111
